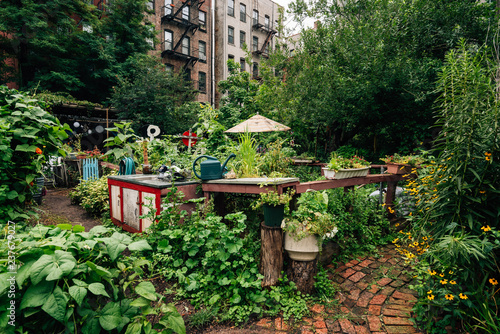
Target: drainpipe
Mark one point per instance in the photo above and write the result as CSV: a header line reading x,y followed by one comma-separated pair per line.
x,y
212,3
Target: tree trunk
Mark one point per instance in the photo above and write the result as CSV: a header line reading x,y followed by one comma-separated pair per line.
x,y
271,262
302,274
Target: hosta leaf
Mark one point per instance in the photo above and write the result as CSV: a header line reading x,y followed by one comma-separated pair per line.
x,y
36,295
52,267
140,245
55,305
110,316
78,293
146,290
98,289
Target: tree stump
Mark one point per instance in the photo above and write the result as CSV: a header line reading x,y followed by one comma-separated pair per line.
x,y
271,261
302,274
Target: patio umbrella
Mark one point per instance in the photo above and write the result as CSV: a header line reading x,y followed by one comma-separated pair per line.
x,y
258,123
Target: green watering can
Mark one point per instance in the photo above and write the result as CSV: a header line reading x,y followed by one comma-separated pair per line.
x,y
211,169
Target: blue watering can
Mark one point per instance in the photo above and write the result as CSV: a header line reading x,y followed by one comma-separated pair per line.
x,y
211,169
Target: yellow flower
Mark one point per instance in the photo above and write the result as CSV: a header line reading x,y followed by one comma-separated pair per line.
x,y
493,281
463,296
482,191
395,240
453,282
450,272
449,297
424,238
429,292
441,275
443,281
430,297
486,228
432,272
415,243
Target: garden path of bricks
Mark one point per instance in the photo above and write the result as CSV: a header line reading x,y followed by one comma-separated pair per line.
x,y
374,299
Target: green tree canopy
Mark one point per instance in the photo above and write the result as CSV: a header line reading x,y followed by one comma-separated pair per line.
x,y
366,76
72,46
151,95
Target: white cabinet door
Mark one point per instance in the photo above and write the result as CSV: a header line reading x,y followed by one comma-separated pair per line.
x,y
147,199
115,203
131,208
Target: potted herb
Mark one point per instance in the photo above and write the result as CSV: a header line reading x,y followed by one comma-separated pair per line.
x,y
274,206
342,168
402,164
308,225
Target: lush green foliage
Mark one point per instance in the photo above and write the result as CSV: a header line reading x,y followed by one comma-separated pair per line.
x,y
213,262
71,46
311,217
337,163
365,76
358,217
66,279
457,196
92,195
148,94
28,135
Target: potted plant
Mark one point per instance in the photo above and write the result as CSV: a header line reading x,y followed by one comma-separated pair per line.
x,y
342,168
402,164
308,226
274,206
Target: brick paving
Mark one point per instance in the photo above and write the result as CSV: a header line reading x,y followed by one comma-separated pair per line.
x,y
374,299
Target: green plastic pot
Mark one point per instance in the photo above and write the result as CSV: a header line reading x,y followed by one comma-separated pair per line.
x,y
273,215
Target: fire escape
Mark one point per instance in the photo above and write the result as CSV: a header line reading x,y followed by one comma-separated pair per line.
x,y
184,15
270,32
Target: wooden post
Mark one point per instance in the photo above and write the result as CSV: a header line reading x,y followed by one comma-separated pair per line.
x,y
302,274
271,260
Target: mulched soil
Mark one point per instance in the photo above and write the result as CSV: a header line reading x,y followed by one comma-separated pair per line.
x,y
373,296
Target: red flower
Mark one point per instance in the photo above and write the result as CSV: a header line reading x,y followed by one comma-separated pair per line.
x,y
38,151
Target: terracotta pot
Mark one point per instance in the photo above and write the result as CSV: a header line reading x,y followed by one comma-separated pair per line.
x,y
399,168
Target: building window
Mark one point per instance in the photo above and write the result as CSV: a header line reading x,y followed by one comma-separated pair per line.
x,y
255,17
276,26
255,70
255,43
203,51
185,45
185,13
168,40
229,57
151,5
243,13
202,82
203,20
169,68
243,37
242,65
266,21
187,74
168,7
230,35
230,7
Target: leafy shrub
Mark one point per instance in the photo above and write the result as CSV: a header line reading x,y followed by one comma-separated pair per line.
x,y
78,282
28,136
360,220
212,263
92,195
287,299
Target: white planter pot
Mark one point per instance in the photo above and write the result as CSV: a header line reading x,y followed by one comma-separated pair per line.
x,y
305,249
345,173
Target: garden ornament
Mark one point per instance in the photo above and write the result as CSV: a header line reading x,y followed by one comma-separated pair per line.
x,y
211,168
